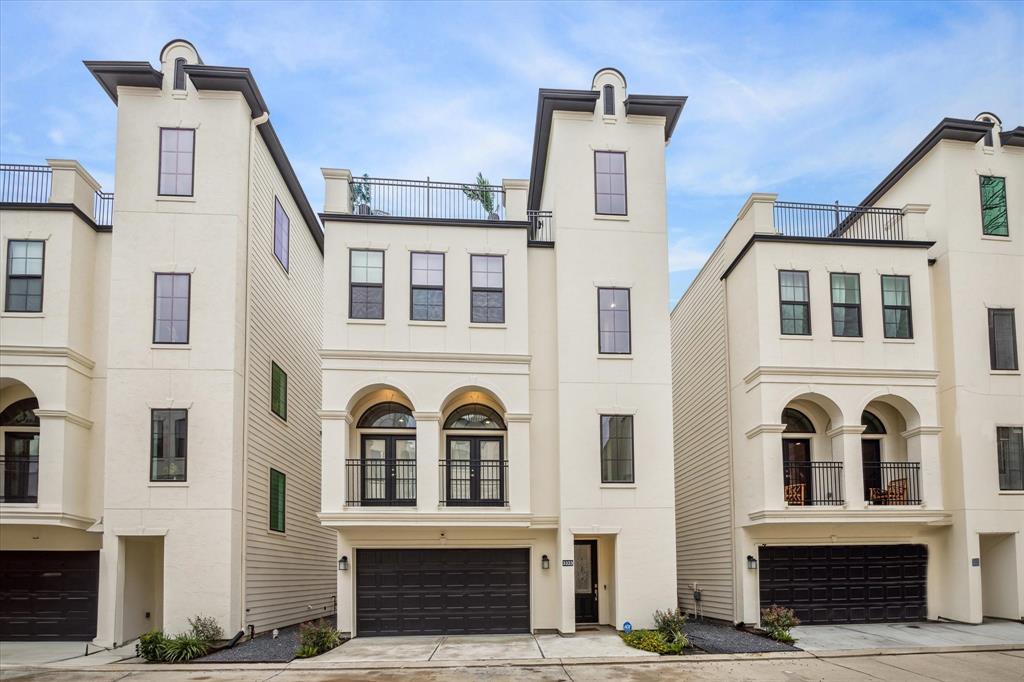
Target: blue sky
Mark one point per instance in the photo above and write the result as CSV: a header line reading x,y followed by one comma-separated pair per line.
x,y
814,101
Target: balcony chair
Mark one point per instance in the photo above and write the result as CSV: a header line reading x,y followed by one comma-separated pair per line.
x,y
795,494
894,493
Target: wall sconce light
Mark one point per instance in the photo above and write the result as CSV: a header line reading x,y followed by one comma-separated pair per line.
x,y
343,563
751,562
545,563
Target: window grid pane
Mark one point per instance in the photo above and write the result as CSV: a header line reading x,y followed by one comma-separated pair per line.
x,y
896,315
993,207
1002,338
613,320
281,233
171,308
169,445
610,182
427,284
278,391
277,500
1010,445
24,276
794,302
845,304
616,448
487,295
366,285
176,161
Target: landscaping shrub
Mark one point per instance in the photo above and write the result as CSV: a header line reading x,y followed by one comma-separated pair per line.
x,y
777,622
670,624
206,628
184,647
317,637
151,646
647,640
305,651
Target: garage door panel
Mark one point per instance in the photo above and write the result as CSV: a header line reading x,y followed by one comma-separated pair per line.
x,y
48,595
846,584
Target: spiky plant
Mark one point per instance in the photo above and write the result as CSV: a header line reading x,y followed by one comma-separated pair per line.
x,y
481,193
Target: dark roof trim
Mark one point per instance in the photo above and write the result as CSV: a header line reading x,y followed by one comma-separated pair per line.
x,y
112,74
814,240
1012,138
657,105
228,78
284,166
593,81
180,40
72,208
404,220
548,102
958,129
540,245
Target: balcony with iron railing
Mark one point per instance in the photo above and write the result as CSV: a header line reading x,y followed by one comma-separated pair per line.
x,y
813,483
892,483
835,221
380,482
20,481
32,185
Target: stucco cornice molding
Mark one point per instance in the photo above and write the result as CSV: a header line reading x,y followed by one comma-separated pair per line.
x,y
13,516
888,515
140,530
922,431
426,416
518,417
846,429
71,417
490,358
357,517
765,428
72,356
595,530
340,415
169,404
766,371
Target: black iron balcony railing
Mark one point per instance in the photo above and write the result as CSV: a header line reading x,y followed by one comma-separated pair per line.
x,y
892,483
427,199
469,483
22,183
20,479
540,226
813,483
103,209
386,482
833,221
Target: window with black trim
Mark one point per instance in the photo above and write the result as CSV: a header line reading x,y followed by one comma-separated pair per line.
x,y
168,451
610,183
994,220
616,448
609,100
427,286
1010,445
366,285
487,295
794,302
25,275
278,391
277,500
846,320
171,303
179,73
177,161
1002,338
897,321
613,321
281,228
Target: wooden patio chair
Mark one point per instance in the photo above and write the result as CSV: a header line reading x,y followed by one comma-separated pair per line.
x,y
894,493
795,494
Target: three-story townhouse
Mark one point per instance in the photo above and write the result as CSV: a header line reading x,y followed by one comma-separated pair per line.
x,y
496,421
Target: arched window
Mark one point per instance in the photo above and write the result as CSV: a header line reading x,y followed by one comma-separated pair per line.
x,y
387,416
609,100
474,416
20,413
872,424
796,421
179,73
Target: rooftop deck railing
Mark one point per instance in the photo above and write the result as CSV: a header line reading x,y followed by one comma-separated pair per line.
x,y
834,221
22,183
427,199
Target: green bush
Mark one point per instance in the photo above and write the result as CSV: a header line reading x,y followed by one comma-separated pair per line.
x,y
646,640
305,651
184,647
206,628
670,624
777,622
318,637
151,646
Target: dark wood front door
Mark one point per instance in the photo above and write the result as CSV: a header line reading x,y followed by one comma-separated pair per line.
x,y
871,454
585,580
796,470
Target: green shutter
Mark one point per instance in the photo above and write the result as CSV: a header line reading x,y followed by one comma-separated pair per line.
x,y
278,391
993,207
276,500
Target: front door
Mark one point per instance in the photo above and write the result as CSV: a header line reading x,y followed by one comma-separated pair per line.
x,y
796,470
871,454
585,572
476,471
389,470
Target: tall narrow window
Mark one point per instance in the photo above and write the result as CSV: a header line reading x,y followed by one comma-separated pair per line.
x,y
278,391
281,227
1002,338
846,304
25,276
609,99
277,499
169,445
177,161
896,317
610,183
427,278
366,285
1010,444
613,321
179,73
993,206
616,448
171,307
794,302
487,295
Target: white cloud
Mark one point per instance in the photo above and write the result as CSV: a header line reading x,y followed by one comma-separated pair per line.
x,y
56,136
686,253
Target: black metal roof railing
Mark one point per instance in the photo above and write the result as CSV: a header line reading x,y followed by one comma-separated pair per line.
x,y
22,183
427,199
834,221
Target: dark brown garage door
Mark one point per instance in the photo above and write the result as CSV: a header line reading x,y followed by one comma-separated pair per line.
x,y
442,591
847,583
48,595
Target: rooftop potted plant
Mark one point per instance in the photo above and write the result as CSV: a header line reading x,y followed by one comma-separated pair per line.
x,y
361,195
482,193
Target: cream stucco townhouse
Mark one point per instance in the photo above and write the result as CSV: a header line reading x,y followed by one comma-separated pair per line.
x,y
849,402
160,374
496,383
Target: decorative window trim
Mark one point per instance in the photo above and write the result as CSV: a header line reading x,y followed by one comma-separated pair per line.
x,y
413,287
152,458
41,276
1002,463
625,184
992,313
491,290
632,447
474,408
629,322
383,279
1006,211
908,307
806,304
383,409
188,312
857,306
160,163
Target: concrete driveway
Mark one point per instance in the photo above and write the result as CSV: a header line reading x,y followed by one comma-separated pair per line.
x,y
70,654
816,638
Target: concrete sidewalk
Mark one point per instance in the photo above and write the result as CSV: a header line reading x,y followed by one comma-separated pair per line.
x,y
881,636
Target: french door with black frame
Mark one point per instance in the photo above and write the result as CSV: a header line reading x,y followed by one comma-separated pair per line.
x,y
476,471
388,470
796,468
871,456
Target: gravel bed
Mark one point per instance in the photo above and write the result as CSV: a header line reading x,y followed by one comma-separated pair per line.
x,y
263,649
726,639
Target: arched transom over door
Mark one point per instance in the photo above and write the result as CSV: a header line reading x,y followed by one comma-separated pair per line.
x,y
387,463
